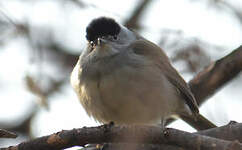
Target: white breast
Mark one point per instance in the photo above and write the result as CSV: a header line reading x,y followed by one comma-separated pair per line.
x,y
74,77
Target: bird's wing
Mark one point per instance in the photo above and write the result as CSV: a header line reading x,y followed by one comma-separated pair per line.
x,y
154,53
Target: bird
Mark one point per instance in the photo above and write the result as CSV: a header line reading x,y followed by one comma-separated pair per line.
x,y
124,78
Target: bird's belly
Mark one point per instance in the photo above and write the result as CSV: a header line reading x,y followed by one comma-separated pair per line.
x,y
126,97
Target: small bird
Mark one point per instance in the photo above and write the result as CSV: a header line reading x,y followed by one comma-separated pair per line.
x,y
122,77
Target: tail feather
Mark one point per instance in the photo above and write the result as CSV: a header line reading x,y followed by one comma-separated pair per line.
x,y
199,122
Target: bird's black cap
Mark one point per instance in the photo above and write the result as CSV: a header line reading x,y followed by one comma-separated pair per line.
x,y
102,26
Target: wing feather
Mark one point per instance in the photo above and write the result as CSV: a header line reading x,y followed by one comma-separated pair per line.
x,y
155,53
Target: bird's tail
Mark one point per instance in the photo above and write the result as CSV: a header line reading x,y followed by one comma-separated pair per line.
x,y
199,122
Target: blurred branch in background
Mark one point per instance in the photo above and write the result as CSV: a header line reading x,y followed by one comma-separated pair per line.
x,y
193,51
22,125
7,134
79,3
194,55
133,21
225,5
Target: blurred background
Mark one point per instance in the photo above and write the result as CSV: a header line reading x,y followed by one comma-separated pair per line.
x,y
41,40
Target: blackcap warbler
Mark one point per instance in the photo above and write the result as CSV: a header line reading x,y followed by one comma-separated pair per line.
x,y
124,78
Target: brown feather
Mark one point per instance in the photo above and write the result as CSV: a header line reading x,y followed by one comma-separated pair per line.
x,y
155,53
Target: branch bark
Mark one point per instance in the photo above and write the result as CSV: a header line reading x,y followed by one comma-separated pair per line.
x,y
7,134
135,134
216,75
230,132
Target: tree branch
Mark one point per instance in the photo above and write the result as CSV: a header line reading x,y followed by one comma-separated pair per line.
x,y
133,21
133,134
7,134
216,75
213,78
